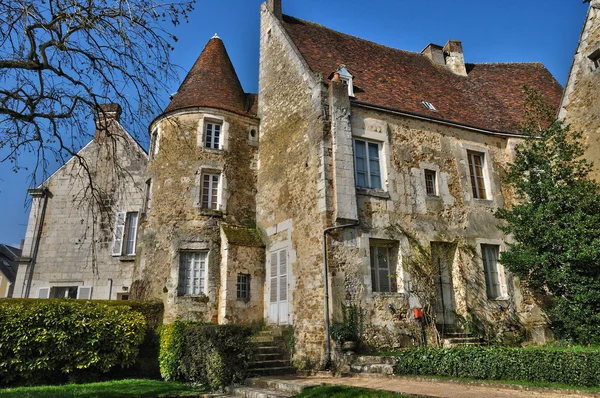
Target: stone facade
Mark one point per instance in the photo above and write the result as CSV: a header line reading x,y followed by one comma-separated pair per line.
x,y
70,235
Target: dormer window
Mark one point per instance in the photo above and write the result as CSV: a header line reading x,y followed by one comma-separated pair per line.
x,y
346,79
429,106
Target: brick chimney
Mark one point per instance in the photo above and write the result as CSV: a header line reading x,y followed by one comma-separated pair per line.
x,y
435,53
454,57
105,115
275,7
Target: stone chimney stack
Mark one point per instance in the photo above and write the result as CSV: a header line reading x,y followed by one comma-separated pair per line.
x,y
275,7
435,53
105,115
454,57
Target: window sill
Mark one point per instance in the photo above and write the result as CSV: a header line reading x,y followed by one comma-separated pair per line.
x,y
125,258
212,213
378,193
213,150
483,202
200,298
389,294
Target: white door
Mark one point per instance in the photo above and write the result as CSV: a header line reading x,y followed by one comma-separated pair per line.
x,y
278,288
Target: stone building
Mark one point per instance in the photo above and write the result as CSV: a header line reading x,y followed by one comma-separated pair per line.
x,y
385,164
79,243
580,106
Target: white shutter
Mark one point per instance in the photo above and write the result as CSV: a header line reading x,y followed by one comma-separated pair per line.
x,y
44,292
283,275
84,293
119,232
273,276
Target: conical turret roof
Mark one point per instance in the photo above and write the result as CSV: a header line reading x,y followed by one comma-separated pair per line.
x,y
212,82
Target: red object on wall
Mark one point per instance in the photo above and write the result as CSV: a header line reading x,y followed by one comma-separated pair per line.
x,y
418,312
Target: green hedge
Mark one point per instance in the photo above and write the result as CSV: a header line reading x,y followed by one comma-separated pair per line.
x,y
53,341
579,367
216,356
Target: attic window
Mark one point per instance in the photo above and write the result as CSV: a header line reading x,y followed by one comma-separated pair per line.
x,y
346,79
429,106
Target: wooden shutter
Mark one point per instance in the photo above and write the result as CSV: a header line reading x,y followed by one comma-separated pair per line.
x,y
119,232
283,275
44,292
273,276
84,293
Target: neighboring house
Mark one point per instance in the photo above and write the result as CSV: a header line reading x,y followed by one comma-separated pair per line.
x,y
405,151
580,106
8,269
79,243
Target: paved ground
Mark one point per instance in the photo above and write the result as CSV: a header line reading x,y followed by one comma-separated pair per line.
x,y
434,388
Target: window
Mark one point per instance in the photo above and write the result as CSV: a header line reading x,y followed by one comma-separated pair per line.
x,y
347,79
192,273
122,296
430,183
148,198
493,284
44,292
382,271
429,106
243,287
154,143
366,160
125,234
476,162
63,292
595,58
210,191
212,135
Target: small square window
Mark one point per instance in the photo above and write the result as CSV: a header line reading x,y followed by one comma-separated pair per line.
x,y
367,156
243,287
476,163
210,191
212,135
430,183
595,58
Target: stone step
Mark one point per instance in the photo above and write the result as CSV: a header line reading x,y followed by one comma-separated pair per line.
x,y
275,371
269,356
276,363
374,359
262,339
277,384
374,368
250,392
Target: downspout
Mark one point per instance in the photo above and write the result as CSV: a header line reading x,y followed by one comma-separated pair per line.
x,y
110,284
325,278
37,243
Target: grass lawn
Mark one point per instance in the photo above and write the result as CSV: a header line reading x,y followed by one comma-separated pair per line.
x,y
346,392
117,389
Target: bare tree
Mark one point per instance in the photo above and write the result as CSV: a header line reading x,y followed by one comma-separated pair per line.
x,y
61,59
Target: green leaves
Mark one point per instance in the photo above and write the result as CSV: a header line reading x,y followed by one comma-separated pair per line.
x,y
52,340
555,224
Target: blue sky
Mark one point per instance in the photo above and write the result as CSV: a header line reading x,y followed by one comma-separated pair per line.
x,y
543,31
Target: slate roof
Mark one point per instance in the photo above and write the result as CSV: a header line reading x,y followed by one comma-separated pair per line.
x,y
491,97
8,261
212,82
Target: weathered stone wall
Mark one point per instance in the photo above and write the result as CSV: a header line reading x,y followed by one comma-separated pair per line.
x,y
291,182
176,221
404,216
580,106
76,244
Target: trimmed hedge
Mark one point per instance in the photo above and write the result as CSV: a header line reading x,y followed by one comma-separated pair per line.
x,y
571,366
53,341
213,355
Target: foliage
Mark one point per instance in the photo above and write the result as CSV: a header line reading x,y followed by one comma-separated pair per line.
x,y
556,224
109,389
535,364
351,326
346,392
50,341
60,60
213,355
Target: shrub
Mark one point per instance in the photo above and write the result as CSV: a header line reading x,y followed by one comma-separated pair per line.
x,y
216,356
536,364
50,341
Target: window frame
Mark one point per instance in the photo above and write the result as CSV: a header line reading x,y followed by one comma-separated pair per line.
x,y
213,198
122,233
477,181
434,188
375,269
187,289
211,138
367,161
243,287
494,290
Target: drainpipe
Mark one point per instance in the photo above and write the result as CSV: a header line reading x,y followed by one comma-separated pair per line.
x,y
110,283
325,278
37,243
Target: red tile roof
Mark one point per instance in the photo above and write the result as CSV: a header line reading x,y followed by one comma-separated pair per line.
x,y
212,82
491,97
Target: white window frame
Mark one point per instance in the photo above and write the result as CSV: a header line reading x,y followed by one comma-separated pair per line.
x,y
121,236
434,183
154,143
209,140
212,197
44,292
367,159
187,288
84,290
347,79
473,178
497,271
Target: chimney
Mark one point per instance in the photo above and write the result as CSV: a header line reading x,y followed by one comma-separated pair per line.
x,y
275,7
455,59
105,115
435,53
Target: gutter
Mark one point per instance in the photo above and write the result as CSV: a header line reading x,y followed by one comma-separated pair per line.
x,y
435,120
326,289
44,191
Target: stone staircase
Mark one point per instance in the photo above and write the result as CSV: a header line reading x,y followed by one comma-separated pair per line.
x,y
270,359
373,364
455,338
271,388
